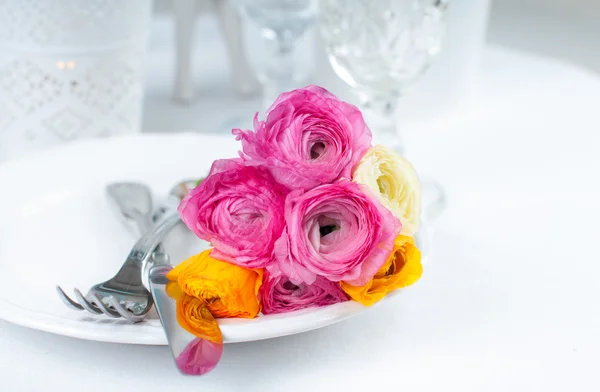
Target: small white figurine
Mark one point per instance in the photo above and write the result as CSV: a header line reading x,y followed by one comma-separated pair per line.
x,y
185,12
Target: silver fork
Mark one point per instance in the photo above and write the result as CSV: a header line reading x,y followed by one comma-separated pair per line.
x,y
132,202
126,294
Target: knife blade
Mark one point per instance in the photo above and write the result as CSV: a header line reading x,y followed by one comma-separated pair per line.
x,y
194,354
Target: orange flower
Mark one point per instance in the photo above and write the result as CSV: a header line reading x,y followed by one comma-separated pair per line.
x,y
229,290
402,269
193,316
173,290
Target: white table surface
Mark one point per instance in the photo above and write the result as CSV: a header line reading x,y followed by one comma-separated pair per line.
x,y
510,301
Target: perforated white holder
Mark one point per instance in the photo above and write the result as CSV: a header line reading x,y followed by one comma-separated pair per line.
x,y
70,69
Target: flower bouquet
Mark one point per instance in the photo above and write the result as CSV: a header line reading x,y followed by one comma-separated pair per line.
x,y
310,214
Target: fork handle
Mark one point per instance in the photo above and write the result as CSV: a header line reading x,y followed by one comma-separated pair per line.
x,y
143,249
131,202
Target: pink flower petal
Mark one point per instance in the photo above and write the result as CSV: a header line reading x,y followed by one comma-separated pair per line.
x,y
309,138
199,357
335,231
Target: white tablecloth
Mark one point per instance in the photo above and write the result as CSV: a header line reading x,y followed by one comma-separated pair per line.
x,y
510,300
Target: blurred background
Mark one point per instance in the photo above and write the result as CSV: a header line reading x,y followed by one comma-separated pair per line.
x,y
201,69
562,29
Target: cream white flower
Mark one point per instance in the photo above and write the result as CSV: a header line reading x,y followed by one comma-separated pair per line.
x,y
395,182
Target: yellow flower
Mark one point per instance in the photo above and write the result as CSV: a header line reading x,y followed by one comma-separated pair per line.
x,y
194,316
173,290
229,290
402,269
395,182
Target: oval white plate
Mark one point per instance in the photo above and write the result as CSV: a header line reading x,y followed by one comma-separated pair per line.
x,y
56,228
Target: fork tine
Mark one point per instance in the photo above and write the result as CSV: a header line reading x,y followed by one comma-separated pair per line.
x,y
102,306
84,302
134,318
68,301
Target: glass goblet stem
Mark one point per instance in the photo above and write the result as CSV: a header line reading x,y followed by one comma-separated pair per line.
x,y
278,75
381,114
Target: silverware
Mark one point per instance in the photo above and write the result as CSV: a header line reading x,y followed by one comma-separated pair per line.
x,y
132,204
176,194
193,355
126,294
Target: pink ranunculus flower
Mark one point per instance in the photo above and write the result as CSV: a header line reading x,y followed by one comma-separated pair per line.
x,y
279,294
338,231
309,138
238,209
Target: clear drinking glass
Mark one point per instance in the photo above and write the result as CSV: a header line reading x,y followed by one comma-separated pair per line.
x,y
282,22
380,48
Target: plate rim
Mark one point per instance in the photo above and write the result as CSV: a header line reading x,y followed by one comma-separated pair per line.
x,y
55,324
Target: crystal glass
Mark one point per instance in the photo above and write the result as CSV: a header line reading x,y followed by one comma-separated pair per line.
x,y
282,22
380,48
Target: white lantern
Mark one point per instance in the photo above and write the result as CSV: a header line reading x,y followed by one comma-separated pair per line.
x,y
70,69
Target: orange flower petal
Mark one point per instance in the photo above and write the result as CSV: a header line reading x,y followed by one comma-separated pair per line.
x,y
174,273
412,269
194,316
173,290
402,269
228,290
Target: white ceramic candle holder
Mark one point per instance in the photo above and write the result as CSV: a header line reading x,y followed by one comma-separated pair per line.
x,y
70,69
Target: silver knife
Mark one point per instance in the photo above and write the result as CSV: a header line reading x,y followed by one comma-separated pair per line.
x,y
193,355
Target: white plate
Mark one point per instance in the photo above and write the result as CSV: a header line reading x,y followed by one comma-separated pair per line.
x,y
56,228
